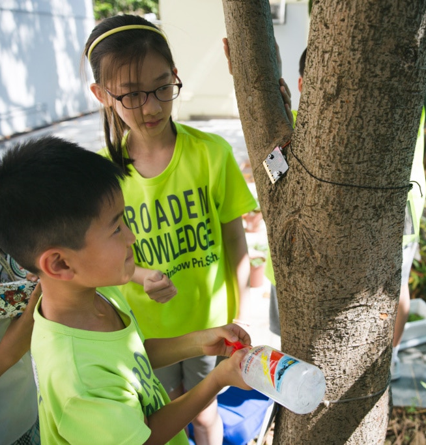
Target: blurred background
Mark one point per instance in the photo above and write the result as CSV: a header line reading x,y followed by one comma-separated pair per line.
x,y
41,42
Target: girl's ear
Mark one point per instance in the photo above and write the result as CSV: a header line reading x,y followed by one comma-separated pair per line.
x,y
100,94
53,263
175,71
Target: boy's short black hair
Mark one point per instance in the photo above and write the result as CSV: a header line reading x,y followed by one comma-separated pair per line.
x,y
302,62
50,191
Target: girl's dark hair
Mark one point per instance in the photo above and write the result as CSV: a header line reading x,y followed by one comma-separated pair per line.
x,y
50,192
108,56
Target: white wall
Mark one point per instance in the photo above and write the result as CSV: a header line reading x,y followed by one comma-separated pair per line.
x,y
195,29
41,42
292,38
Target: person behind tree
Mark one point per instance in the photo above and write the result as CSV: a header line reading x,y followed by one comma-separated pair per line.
x,y
184,196
93,366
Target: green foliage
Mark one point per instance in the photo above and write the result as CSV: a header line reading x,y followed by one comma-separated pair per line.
x,y
107,8
414,317
261,247
256,262
417,280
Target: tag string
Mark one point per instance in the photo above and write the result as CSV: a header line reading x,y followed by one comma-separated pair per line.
x,y
343,184
327,402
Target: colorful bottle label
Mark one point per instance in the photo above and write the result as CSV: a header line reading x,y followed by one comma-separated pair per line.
x,y
274,365
280,367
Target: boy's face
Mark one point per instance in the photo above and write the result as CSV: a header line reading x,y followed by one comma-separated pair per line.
x,y
107,258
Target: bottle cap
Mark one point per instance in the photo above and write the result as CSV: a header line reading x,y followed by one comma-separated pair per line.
x,y
236,345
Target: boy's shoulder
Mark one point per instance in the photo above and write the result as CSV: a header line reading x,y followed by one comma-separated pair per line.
x,y
113,294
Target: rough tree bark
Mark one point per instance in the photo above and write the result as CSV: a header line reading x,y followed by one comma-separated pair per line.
x,y
336,245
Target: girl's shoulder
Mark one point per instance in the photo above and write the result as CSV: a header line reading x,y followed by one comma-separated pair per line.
x,y
198,137
104,152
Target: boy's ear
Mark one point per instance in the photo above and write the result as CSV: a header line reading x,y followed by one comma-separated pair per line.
x,y
54,264
100,94
300,84
175,71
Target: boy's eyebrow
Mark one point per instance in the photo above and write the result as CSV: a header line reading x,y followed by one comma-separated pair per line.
x,y
116,218
137,85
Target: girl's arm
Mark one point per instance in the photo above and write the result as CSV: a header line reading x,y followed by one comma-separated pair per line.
x,y
166,351
157,285
17,339
235,243
173,417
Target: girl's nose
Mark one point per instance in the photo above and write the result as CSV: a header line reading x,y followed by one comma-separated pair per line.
x,y
152,105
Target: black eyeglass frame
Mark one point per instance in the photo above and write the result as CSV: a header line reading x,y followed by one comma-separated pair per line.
x,y
154,92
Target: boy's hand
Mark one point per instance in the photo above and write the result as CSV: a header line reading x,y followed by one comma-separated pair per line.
x,y
158,286
228,372
213,340
286,95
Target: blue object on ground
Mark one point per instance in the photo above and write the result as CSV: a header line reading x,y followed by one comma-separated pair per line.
x,y
242,413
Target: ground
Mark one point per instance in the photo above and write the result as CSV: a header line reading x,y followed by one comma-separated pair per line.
x,y
407,426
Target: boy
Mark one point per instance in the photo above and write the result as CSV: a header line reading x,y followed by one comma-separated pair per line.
x,y
62,219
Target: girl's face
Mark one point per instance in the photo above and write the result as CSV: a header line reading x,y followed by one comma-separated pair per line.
x,y
152,120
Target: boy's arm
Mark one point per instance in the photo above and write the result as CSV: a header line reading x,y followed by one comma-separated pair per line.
x,y
17,339
172,418
235,243
166,351
157,285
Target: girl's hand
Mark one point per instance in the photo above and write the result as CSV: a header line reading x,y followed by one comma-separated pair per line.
x,y
285,91
17,338
158,286
35,295
212,341
226,51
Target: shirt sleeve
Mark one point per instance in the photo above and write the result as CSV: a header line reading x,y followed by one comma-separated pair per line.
x,y
103,421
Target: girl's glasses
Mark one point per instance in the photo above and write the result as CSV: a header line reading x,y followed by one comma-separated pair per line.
x,y
137,99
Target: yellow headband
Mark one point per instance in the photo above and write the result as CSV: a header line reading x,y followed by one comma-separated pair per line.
x,y
119,29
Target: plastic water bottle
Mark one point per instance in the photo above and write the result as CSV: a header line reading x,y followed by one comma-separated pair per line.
x,y
293,383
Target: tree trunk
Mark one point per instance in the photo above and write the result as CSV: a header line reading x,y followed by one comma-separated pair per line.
x,y
335,221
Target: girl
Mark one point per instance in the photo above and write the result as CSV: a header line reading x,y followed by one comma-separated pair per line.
x,y
184,196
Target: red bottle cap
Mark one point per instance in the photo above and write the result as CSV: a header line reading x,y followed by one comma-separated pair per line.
x,y
236,345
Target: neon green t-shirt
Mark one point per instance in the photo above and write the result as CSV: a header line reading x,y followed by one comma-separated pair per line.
x,y
415,200
95,387
176,218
